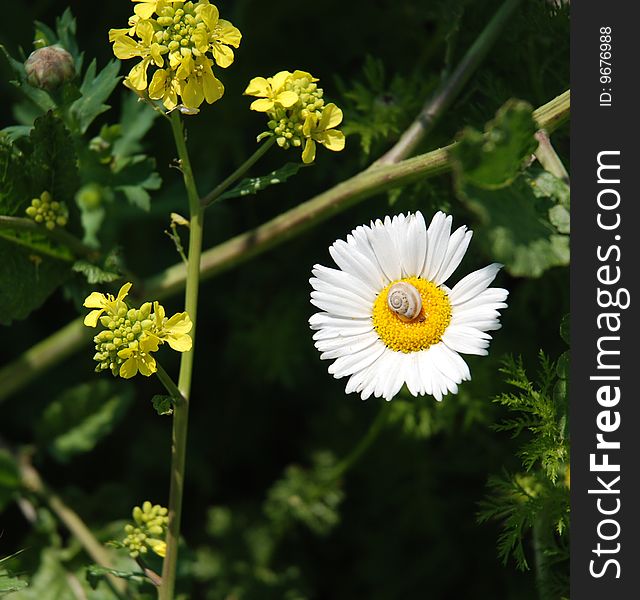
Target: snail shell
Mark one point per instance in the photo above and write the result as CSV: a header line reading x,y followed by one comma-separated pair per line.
x,y
404,300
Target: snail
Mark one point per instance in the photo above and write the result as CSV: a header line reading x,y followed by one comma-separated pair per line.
x,y
404,300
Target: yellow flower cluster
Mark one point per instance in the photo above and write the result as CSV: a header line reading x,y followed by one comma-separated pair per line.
x,y
131,335
182,41
149,530
297,113
46,211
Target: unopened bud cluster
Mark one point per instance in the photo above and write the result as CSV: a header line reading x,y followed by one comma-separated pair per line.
x,y
48,68
130,335
124,328
298,115
287,124
48,212
148,530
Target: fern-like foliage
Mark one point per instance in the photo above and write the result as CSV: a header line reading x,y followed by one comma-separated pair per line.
x,y
533,504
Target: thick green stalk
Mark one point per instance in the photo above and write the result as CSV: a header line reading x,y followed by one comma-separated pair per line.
x,y
169,384
222,257
450,88
181,409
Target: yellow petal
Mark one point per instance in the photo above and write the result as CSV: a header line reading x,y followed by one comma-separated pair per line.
x,y
138,75
192,94
287,99
144,29
309,152
157,85
95,300
124,290
124,47
227,33
158,546
297,74
309,125
331,139
258,86
210,15
116,33
223,55
91,320
149,343
129,368
213,88
180,343
179,323
144,11
262,105
331,117
278,80
147,365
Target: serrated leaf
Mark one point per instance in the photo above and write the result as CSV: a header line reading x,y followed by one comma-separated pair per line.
x,y
133,176
516,230
80,417
9,478
27,278
95,89
93,273
253,185
493,159
135,120
10,584
163,405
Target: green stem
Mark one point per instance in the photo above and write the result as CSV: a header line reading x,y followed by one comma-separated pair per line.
x,y
364,444
33,482
49,352
215,194
169,384
543,575
451,87
181,409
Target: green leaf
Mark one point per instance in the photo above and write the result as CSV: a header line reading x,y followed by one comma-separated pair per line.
x,y
93,273
133,176
253,185
14,185
96,573
516,228
10,584
28,276
493,159
135,120
80,417
9,478
52,164
163,405
95,90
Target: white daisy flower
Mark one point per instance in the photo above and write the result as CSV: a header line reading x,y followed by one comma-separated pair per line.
x,y
388,319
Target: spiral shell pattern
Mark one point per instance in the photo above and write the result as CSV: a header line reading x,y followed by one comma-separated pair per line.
x,y
404,300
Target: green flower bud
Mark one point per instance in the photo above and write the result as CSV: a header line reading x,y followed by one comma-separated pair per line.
x,y
48,68
90,196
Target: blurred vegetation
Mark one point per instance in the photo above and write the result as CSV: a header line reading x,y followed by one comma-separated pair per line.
x,y
275,507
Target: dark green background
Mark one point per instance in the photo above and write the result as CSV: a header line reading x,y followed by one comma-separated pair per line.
x,y
262,397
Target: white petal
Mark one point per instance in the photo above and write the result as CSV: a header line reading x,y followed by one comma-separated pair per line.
x,y
351,260
339,292
347,365
466,340
490,298
437,243
339,306
441,359
413,246
332,349
473,284
385,250
323,320
457,248
345,280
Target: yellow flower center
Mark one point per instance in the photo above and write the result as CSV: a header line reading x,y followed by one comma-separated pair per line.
x,y
425,330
